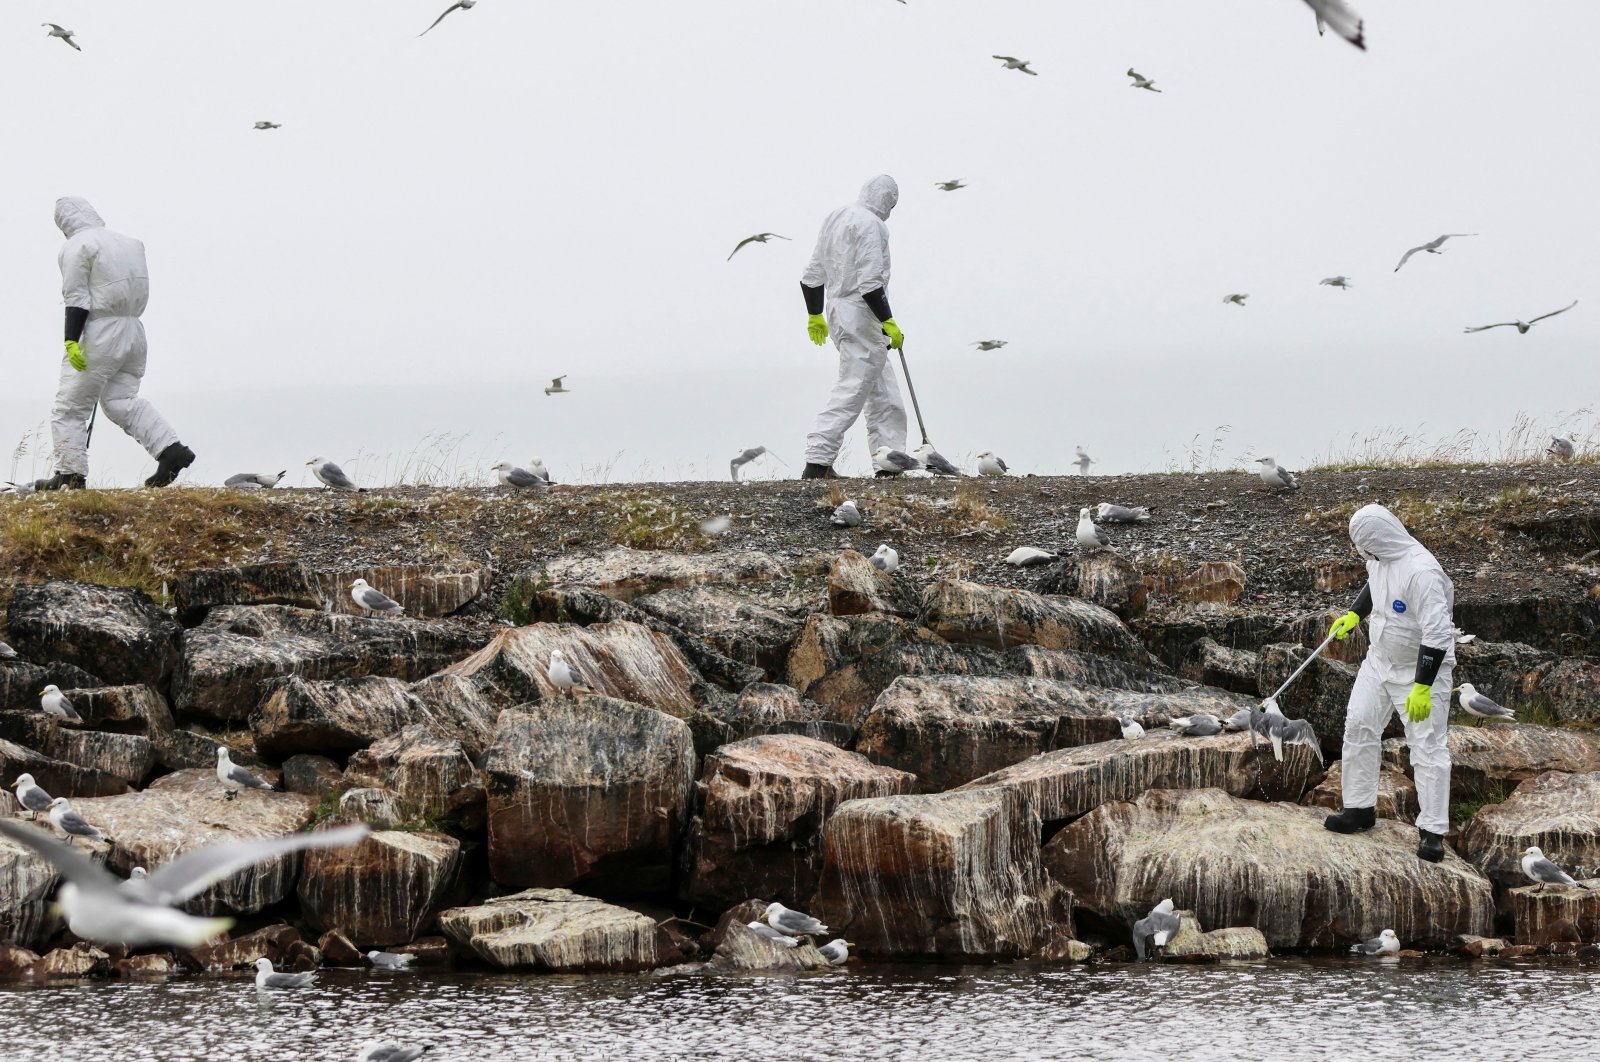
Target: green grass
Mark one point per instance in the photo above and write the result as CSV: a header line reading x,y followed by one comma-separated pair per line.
x,y
1462,810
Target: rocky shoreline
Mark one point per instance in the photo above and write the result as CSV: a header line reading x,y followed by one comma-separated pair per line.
x,y
929,761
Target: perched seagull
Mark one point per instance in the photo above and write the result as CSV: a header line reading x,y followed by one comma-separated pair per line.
x,y
233,777
562,675
1478,706
1201,724
1027,557
934,461
894,462
1236,299
1341,282
990,465
1108,513
390,1052
32,798
847,514
371,600
1089,536
389,960
69,822
98,909
1140,81
1016,64
743,459
836,951
1538,868
886,560
1385,943
1158,927
1560,448
536,466
136,879
760,237
463,5
764,930
6,652
784,920
512,476
330,474
990,344
269,125
64,34
1274,477
1282,731
254,480
1432,247
1345,22
266,977
1523,326
55,704
556,388
1083,462
948,186
1131,730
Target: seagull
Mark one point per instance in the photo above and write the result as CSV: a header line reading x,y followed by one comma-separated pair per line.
x,y
371,600
1385,943
556,388
1274,477
760,237
1560,447
512,476
1201,724
390,1052
886,560
254,480
330,474
1089,536
1244,719
389,960
6,652
1281,731
743,459
1538,868
1108,513
1083,462
1432,247
762,929
1478,706
1131,730
784,920
1345,22
464,5
1017,64
894,462
716,525
990,344
136,878
990,465
536,466
1158,927
1341,282
269,125
64,34
1236,299
32,798
1027,557
934,461
69,822
837,951
234,778
97,909
55,704
949,186
266,977
847,514
1140,81
562,675
1523,326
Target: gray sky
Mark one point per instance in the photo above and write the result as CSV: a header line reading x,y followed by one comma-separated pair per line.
x,y
539,188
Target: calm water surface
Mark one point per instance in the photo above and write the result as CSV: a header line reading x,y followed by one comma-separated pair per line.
x,y
1285,1009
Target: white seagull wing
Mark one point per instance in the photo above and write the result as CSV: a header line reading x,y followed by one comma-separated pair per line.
x,y
191,874
73,865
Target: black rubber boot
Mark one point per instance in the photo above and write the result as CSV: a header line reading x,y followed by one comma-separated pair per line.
x,y
813,471
1430,846
61,481
173,459
1351,820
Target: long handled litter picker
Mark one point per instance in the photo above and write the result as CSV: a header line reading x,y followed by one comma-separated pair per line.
x,y
88,435
920,426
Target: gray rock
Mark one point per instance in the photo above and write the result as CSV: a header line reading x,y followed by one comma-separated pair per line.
x,y
627,573
21,682
385,890
743,950
856,588
27,884
1486,759
827,643
377,807
57,777
997,618
735,624
433,777
273,583
117,631
127,709
555,931
1104,578
312,776
350,714
1191,944
1235,670
129,757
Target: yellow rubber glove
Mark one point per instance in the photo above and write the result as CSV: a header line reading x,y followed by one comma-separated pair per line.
x,y
897,338
817,328
1343,626
1419,703
75,356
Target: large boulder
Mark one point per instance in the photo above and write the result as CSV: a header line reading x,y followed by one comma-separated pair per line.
x,y
347,714
424,590
382,891
230,659
737,625
1067,783
1494,758
555,931
629,573
1191,944
115,632
856,588
1570,689
848,692
1559,813
953,878
826,643
761,806
587,790
1104,577
124,709
1212,664
57,777
129,757
1397,794
433,777
1269,865
998,618
1556,913
27,881
743,950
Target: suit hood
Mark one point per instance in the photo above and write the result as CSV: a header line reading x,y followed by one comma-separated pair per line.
x,y
879,195
74,214
1378,532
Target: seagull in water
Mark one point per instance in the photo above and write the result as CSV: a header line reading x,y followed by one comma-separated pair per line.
x,y
459,5
1478,706
934,461
760,237
512,476
886,560
330,474
1236,299
784,920
64,34
1140,81
1158,927
269,125
562,675
1131,730
1538,868
555,387
990,465
949,186
1108,513
69,822
99,910
836,951
1431,247
254,480
54,703
990,344
1027,557
894,462
1561,448
764,930
1201,724
1523,326
267,977
743,459
848,514
1276,478
32,798
234,778
389,960
390,1052
1021,65
370,600
1340,282
1385,943
1083,462
1090,537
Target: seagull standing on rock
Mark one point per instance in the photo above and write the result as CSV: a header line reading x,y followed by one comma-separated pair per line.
x,y
1131,730
69,822
847,514
1478,706
1561,449
562,675
797,923
886,560
1538,868
1275,478
54,703
1090,537
234,778
836,951
990,465
374,601
1385,943
536,466
32,798
512,476
331,475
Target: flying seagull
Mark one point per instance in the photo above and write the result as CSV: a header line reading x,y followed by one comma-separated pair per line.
x,y
1523,326
1342,17
64,34
1108,513
1236,299
1432,247
512,476
1539,869
1276,478
1140,81
1560,447
1385,943
233,777
1011,63
390,960
886,560
269,125
330,474
54,703
990,465
761,929
1478,706
1340,282
563,676
1083,462
847,514
1158,927
949,186
990,344
266,977
760,237
934,461
784,920
894,462
837,951
555,387
1089,536
254,480
744,458
463,5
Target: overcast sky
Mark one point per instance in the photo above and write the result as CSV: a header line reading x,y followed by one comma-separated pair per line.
x,y
443,224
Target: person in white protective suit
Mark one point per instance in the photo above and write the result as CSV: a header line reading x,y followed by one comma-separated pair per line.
x,y
1408,601
849,275
106,285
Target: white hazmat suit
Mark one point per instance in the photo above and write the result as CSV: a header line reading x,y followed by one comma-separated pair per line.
x,y
851,260
104,273
1412,601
